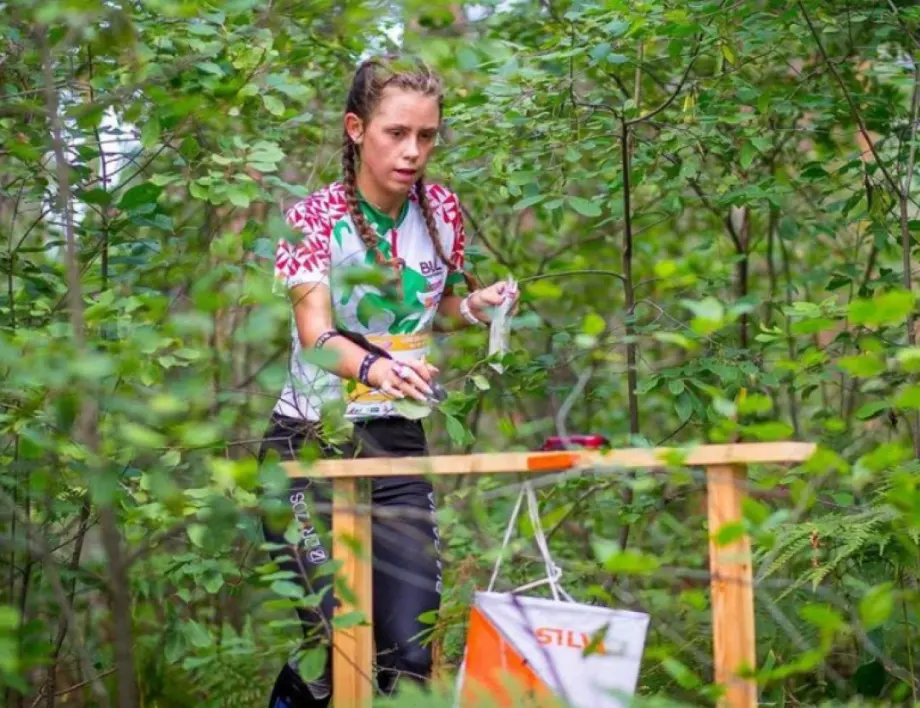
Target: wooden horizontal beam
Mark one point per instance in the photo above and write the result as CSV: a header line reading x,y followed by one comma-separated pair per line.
x,y
534,462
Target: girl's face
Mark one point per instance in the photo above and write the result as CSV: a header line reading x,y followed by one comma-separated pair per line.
x,y
398,139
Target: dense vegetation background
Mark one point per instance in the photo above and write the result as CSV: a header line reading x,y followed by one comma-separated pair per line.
x,y
711,208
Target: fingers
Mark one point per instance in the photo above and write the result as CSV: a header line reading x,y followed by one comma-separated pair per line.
x,y
497,294
388,389
431,367
414,374
422,368
399,379
492,295
403,379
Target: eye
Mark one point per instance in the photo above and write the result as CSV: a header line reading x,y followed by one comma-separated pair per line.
x,y
396,132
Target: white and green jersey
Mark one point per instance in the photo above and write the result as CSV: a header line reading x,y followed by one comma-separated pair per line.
x,y
331,252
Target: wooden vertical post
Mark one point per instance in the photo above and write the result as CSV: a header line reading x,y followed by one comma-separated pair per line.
x,y
732,588
353,648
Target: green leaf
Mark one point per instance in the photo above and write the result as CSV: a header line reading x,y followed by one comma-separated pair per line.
x,y
197,534
871,410
876,606
141,195
681,673
724,407
822,616
593,324
347,620
616,28
141,435
197,635
150,132
583,206
238,197
909,359
909,398
543,289
213,582
684,407
95,196
599,51
885,309
748,152
273,104
9,618
286,588
755,404
675,338
209,67
629,562
729,533
772,430
411,409
481,382
709,314
528,202
312,664
456,430
266,152
863,365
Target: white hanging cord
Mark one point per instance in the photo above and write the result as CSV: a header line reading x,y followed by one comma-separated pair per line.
x,y
553,571
506,540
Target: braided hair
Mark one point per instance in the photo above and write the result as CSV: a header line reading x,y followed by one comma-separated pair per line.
x,y
371,78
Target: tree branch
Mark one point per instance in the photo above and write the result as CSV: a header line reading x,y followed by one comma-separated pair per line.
x,y
565,273
670,99
856,114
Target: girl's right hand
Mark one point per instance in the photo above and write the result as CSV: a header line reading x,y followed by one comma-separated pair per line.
x,y
399,379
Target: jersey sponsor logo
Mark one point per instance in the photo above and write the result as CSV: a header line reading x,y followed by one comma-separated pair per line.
x,y
432,267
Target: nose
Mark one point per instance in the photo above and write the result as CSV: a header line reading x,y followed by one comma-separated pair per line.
x,y
412,149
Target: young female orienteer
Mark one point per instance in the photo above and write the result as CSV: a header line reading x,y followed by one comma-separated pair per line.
x,y
381,213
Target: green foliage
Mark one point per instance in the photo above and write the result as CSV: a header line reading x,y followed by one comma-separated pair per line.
x,y
709,250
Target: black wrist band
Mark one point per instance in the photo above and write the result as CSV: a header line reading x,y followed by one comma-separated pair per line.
x,y
325,337
366,364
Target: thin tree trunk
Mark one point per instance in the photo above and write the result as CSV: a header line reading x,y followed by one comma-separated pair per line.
x,y
86,423
905,233
630,297
71,591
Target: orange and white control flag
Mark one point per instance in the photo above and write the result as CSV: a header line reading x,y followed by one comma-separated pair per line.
x,y
518,647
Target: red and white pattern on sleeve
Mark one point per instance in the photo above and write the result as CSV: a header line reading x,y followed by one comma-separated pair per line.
x,y
309,260
446,206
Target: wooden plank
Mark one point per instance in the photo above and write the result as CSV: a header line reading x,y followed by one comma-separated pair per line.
x,y
517,462
732,588
353,648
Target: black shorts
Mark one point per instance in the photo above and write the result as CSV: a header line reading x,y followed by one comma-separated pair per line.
x,y
406,562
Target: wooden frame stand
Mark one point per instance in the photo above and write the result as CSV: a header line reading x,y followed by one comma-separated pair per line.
x,y
731,583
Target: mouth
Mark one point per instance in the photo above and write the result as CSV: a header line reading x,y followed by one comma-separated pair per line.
x,y
405,175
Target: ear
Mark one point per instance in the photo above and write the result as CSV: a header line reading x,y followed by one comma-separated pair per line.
x,y
354,126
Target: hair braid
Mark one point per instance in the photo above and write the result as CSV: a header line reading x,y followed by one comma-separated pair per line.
x,y
365,231
350,181
422,194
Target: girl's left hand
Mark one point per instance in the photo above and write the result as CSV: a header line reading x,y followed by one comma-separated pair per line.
x,y
483,300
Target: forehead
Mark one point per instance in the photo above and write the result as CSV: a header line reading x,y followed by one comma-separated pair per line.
x,y
407,107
